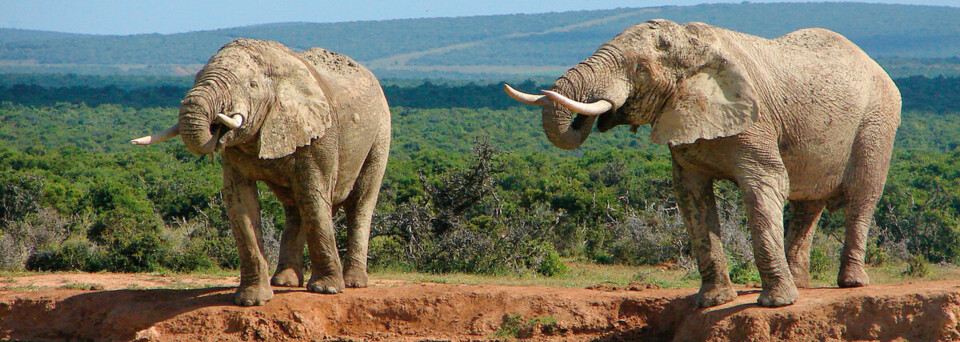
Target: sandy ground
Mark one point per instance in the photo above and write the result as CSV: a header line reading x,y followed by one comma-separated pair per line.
x,y
156,308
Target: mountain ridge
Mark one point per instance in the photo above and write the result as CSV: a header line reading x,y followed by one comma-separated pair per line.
x,y
907,37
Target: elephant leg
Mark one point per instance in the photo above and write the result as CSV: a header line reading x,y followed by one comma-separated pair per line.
x,y
290,265
699,208
857,220
799,235
359,212
764,198
243,208
862,189
316,216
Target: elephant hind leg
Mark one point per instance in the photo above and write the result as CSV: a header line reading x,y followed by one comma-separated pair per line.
x,y
312,196
359,210
863,185
290,266
799,235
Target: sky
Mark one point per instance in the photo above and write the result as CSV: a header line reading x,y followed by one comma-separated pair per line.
x,y
117,17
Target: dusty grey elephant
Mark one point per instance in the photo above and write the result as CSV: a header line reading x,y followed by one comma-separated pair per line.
x,y
313,126
807,118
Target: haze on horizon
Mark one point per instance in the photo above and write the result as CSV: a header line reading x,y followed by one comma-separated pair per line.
x,y
177,16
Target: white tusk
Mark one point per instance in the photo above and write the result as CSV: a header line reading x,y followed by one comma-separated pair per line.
x,y
530,99
590,109
159,137
232,122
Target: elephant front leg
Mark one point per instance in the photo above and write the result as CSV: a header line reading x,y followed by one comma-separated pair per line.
x,y
799,236
243,208
290,266
764,198
699,209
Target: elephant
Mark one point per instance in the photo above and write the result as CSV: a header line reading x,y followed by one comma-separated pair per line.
x,y
315,128
807,118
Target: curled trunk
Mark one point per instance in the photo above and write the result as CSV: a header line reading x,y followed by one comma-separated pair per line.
x,y
195,126
198,128
564,128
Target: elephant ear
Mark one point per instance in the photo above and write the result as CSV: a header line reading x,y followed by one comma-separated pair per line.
x,y
301,113
717,101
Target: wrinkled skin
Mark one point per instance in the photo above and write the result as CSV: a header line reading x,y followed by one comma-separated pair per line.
x,y
807,118
316,129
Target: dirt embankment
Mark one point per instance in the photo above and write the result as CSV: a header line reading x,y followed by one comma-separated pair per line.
x,y
391,310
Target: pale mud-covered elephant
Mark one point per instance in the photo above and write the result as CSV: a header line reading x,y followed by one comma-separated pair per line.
x,y
807,118
313,126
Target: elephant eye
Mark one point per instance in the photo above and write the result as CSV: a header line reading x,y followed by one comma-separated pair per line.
x,y
253,84
641,67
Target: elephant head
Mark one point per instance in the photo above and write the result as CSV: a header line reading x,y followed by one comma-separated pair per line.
x,y
678,78
252,93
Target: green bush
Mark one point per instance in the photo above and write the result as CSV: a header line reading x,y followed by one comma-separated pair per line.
x,y
820,263
744,272
551,265
876,255
73,254
918,267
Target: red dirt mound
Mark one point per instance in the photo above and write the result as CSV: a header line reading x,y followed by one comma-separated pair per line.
x,y
393,310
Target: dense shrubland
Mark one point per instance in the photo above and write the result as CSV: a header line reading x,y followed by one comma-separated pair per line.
x,y
476,190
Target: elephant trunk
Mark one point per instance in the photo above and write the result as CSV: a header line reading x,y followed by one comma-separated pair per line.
x,y
596,87
196,125
199,127
564,128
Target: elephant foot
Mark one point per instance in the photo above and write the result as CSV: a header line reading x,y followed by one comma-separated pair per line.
x,y
253,295
355,277
853,276
326,285
287,277
714,296
782,294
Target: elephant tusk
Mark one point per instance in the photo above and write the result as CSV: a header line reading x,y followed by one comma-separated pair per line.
x,y
530,99
590,109
232,122
159,137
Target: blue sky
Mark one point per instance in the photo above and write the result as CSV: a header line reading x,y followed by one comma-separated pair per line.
x,y
173,16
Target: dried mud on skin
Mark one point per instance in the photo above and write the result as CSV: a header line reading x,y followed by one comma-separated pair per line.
x,y
398,311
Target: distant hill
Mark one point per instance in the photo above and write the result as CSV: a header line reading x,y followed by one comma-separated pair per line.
x,y
17,35
907,39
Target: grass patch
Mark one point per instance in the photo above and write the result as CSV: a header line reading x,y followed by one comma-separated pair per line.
x,y
515,326
12,274
23,288
178,285
578,274
82,286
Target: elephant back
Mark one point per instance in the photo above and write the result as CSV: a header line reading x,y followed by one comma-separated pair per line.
x,y
358,92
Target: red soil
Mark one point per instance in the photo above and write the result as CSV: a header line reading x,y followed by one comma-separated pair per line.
x,y
395,310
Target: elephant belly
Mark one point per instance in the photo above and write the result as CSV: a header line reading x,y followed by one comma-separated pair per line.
x,y
355,145
816,146
817,171
815,183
